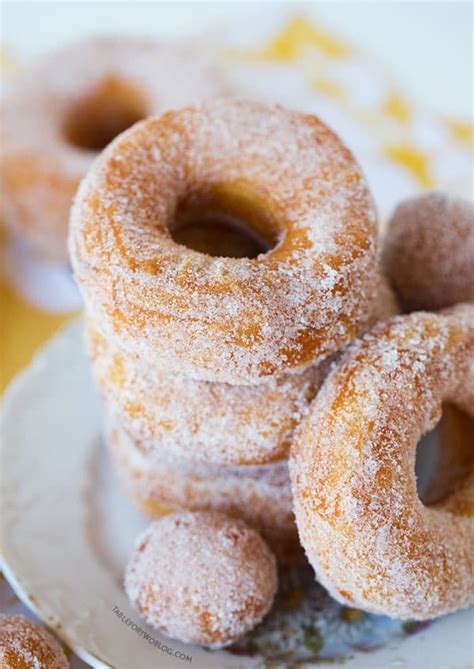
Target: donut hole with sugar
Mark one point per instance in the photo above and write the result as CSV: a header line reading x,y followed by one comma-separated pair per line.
x,y
227,578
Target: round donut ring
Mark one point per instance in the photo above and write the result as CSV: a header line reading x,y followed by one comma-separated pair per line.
x,y
261,496
233,320
371,541
211,422
58,114
428,251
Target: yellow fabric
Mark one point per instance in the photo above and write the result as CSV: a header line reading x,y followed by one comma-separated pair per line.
x,y
23,329
297,35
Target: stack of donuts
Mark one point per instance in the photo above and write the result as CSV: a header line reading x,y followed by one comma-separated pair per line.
x,y
208,362
217,351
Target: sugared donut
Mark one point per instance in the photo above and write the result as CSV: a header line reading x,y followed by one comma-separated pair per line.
x,y
233,320
201,577
204,422
211,422
261,496
61,112
428,252
24,645
370,539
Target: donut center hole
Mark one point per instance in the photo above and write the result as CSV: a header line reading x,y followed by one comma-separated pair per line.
x,y
102,114
444,456
220,236
224,222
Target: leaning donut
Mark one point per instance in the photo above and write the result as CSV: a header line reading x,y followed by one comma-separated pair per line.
x,y
259,495
59,113
234,320
428,251
371,541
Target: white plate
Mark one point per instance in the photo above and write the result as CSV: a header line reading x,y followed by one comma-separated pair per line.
x,y
67,530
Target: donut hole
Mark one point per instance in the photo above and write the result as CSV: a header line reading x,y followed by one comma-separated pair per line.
x,y
225,221
445,455
103,113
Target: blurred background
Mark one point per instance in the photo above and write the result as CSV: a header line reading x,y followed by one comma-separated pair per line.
x,y
426,46
394,79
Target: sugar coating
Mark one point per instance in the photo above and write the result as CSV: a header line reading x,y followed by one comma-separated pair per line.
x,y
428,252
201,577
462,313
39,168
261,496
232,320
202,421
369,538
24,645
211,422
